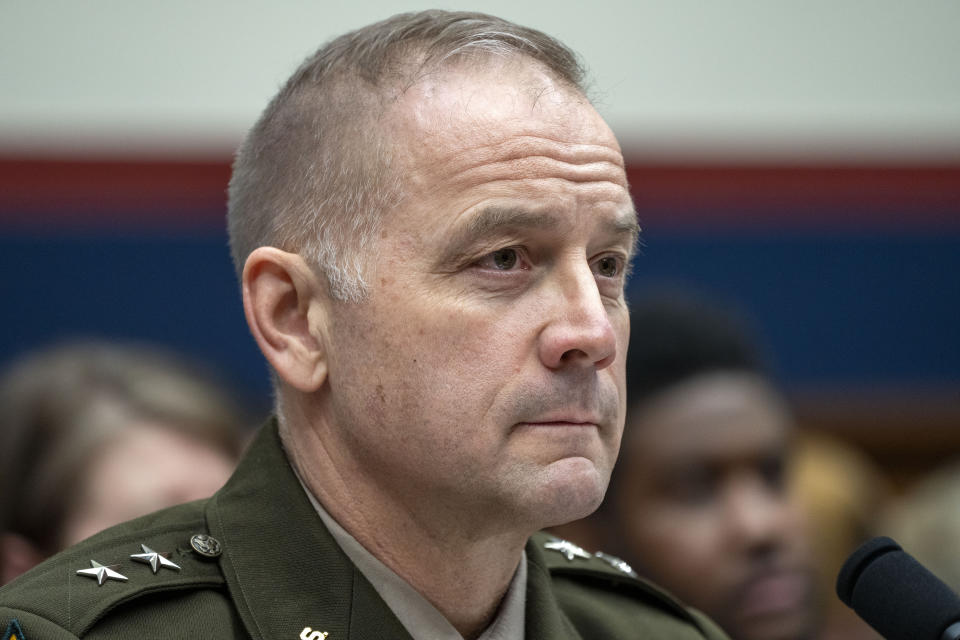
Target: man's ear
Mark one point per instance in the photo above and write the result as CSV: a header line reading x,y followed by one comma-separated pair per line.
x,y
282,299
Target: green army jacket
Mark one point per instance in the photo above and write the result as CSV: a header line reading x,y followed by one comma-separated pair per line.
x,y
265,568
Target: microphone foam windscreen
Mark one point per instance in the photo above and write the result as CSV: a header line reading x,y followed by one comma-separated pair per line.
x,y
895,594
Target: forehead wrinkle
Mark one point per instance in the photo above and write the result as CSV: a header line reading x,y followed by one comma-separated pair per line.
x,y
460,174
589,158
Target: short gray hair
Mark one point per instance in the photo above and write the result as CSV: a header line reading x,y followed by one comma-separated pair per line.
x,y
315,173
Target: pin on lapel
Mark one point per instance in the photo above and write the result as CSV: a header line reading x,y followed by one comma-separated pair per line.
x,y
566,549
206,545
155,559
616,563
310,634
101,573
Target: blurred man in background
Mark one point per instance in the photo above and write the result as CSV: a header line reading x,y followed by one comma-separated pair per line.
x,y
699,500
92,434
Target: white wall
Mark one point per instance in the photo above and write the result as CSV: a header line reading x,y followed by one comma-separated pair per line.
x,y
755,77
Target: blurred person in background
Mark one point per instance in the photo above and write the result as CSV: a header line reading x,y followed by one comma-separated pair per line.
x,y
699,501
925,521
93,434
842,491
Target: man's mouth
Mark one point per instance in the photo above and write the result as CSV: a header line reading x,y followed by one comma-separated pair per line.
x,y
566,418
773,593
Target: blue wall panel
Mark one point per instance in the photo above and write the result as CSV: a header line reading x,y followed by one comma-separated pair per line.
x,y
173,290
837,309
841,309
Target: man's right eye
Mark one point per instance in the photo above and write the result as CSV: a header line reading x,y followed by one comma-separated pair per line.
x,y
693,487
504,259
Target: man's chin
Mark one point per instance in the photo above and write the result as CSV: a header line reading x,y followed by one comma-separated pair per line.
x,y
793,624
798,627
572,488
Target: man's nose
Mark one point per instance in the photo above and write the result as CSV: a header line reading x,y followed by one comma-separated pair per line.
x,y
756,514
580,332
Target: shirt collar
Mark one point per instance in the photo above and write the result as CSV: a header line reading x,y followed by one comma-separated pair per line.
x,y
421,619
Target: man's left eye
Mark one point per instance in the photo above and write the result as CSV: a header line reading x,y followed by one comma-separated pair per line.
x,y
608,266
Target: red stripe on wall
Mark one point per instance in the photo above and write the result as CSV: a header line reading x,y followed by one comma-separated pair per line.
x,y
108,192
797,196
76,193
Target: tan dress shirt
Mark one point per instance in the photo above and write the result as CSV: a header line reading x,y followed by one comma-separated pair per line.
x,y
420,618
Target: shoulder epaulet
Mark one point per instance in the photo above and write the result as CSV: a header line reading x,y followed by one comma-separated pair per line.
x,y
565,559
567,555
166,551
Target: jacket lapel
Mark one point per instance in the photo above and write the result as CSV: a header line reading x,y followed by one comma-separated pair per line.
x,y
283,569
544,618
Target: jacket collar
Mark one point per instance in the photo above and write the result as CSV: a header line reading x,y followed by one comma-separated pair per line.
x,y
285,572
283,569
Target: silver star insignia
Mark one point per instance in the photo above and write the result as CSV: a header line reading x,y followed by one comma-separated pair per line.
x,y
102,573
567,549
154,559
616,563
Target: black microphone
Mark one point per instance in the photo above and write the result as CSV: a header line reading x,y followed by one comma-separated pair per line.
x,y
896,595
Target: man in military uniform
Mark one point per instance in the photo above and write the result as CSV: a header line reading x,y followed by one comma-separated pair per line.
x,y
432,227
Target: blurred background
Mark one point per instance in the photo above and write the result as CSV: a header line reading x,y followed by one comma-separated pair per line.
x,y
799,160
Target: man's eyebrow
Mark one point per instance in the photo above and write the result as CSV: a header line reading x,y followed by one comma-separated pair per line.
x,y
626,224
492,220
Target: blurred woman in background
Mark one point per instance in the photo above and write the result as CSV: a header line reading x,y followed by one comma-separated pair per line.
x,y
93,434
